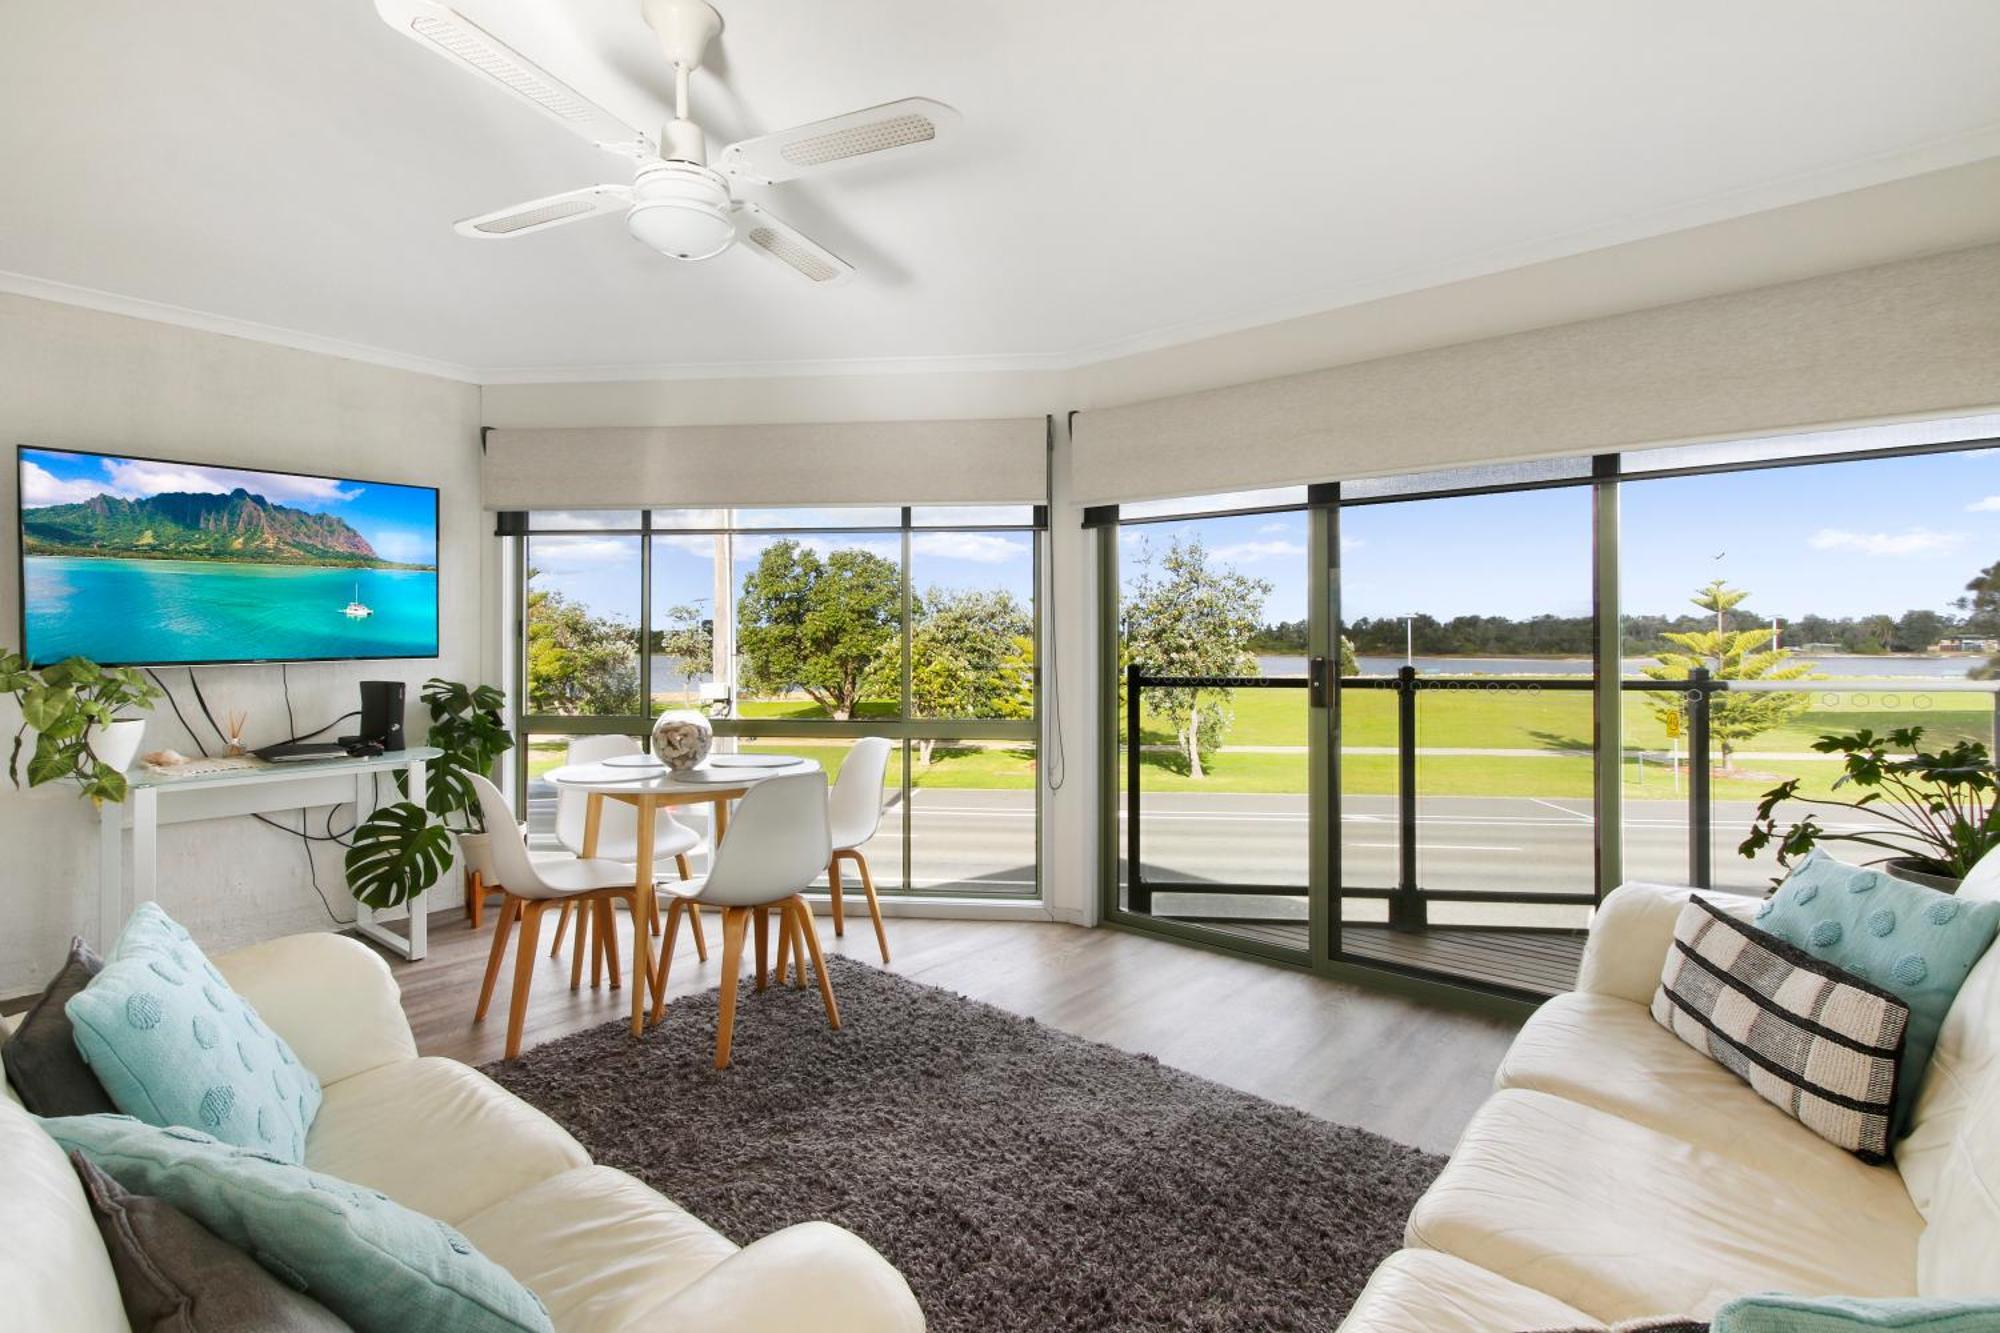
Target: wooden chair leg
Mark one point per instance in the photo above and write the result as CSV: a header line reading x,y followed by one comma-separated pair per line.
x,y
589,911
475,897
607,916
833,893
562,924
510,907
784,945
681,864
734,920
799,906
666,959
874,903
585,937
524,971
700,935
795,923
762,917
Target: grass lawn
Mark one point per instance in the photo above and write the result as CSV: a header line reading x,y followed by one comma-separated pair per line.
x,y
1462,775
1558,720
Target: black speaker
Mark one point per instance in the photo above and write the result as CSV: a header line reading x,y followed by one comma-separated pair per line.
x,y
382,713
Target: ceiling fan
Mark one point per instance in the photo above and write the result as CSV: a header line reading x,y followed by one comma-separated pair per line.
x,y
677,203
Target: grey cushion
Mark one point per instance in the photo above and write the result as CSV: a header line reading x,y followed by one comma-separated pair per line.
x,y
41,1058
177,1276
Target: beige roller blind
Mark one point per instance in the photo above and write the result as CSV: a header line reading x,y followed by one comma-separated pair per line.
x,y
1915,338
890,462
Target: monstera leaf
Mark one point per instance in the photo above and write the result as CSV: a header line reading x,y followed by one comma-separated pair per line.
x,y
397,854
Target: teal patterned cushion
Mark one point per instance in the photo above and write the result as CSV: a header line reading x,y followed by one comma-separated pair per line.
x,y
1916,943
370,1260
1847,1314
174,1045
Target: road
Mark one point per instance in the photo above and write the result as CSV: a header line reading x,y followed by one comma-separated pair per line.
x,y
984,841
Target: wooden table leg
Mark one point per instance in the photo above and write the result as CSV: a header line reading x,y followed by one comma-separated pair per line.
x,y
593,820
642,883
721,828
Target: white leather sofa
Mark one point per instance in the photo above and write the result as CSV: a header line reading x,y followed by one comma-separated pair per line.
x,y
603,1251
1617,1173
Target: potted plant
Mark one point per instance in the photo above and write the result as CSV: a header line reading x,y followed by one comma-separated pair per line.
x,y
398,852
1936,810
81,714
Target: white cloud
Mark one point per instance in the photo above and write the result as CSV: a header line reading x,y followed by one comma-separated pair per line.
x,y
1274,529
983,548
1917,541
1245,553
566,554
1990,504
405,546
40,487
135,479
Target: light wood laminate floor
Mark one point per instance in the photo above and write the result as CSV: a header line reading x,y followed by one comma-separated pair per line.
x,y
1412,1070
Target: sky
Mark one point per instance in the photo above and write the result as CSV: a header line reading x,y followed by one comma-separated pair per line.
x,y
603,571
1834,539
400,522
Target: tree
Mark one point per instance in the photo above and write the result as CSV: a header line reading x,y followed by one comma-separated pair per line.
x,y
971,655
1191,620
817,624
1729,655
578,663
687,640
1982,613
1917,630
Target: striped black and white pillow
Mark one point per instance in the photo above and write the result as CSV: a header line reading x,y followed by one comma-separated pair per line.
x,y
1812,1039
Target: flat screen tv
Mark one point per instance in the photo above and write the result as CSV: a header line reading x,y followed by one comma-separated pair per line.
x,y
145,562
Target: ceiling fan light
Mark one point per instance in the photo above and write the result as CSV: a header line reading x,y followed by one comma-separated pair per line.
x,y
682,210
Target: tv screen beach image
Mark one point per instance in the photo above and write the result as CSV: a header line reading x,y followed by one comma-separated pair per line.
x,y
135,561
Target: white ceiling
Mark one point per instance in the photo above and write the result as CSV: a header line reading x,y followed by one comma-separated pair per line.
x,y
1131,175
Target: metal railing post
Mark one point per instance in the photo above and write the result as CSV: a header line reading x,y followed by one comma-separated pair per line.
x,y
1139,897
1700,841
1406,909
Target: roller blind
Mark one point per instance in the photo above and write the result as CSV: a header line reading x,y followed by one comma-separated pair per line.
x,y
1919,337
897,462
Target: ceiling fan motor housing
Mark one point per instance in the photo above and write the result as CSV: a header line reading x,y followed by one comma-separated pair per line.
x,y
681,209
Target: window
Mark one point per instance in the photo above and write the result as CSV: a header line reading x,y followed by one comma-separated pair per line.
x,y
799,630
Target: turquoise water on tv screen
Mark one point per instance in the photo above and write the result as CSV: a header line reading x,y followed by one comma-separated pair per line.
x,y
166,611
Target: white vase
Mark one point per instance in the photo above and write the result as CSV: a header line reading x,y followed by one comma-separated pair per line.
x,y
117,743
681,740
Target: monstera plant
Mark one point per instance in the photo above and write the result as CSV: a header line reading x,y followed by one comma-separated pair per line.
x,y
398,852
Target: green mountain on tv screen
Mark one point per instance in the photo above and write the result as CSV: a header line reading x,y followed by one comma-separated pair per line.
x,y
197,526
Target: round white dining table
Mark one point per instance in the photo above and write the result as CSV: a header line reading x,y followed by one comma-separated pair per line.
x,y
648,789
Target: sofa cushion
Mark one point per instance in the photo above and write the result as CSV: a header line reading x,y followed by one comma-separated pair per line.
x,y
54,1273
40,1054
1610,1054
600,1248
1622,1221
1916,943
1776,1313
1425,1291
333,998
436,1136
374,1263
174,1045
176,1276
1818,1043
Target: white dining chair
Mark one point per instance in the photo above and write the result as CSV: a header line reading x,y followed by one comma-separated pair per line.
x,y
774,849
855,814
617,840
532,885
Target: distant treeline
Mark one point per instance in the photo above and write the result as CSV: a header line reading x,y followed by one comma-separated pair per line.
x,y
1570,636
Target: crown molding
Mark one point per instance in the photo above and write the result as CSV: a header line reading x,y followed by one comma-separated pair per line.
x,y
159,312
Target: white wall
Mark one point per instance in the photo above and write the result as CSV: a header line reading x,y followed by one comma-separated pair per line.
x,y
74,378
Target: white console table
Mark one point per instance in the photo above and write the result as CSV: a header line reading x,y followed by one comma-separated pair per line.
x,y
260,790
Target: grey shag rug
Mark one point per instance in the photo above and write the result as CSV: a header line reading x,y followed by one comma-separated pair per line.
x,y
1019,1177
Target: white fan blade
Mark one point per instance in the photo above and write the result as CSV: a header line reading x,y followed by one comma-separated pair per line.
x,y
893,127
781,243
443,31
541,214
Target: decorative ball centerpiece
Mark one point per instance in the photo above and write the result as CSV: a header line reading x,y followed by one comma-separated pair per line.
x,y
682,739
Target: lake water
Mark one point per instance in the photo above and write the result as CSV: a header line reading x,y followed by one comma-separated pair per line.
x,y
166,611
1835,665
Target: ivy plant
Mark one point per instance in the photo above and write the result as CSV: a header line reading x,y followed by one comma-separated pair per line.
x,y
61,704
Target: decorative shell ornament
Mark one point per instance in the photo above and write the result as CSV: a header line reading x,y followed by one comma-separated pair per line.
x,y
681,740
